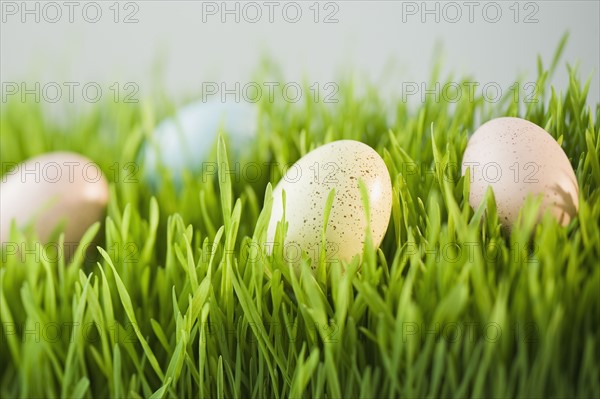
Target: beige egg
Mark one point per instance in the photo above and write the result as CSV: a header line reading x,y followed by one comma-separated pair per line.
x,y
517,159
56,190
338,165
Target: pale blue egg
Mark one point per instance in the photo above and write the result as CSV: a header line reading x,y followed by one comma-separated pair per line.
x,y
184,141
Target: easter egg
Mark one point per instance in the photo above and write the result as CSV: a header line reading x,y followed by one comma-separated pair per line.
x,y
184,141
58,190
339,166
518,159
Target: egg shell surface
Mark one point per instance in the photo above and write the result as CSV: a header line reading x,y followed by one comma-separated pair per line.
x,y
51,190
338,165
184,141
517,158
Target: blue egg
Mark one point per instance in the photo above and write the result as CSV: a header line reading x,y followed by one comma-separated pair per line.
x,y
184,141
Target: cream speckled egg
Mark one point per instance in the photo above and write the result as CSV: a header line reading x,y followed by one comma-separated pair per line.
x,y
58,189
338,165
517,158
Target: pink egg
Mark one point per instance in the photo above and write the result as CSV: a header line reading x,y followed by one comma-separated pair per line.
x,y
58,190
517,159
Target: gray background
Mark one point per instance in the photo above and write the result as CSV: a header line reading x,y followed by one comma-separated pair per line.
x,y
175,46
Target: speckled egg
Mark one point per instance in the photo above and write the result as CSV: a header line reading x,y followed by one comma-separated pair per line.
x,y
184,141
517,159
338,165
58,190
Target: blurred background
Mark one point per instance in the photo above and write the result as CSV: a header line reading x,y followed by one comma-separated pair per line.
x,y
137,48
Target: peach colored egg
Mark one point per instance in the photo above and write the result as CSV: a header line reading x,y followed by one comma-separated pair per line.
x,y
338,165
60,190
517,158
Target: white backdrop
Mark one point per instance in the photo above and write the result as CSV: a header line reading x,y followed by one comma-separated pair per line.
x,y
391,43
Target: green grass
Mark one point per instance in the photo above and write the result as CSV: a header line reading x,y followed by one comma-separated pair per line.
x,y
173,304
